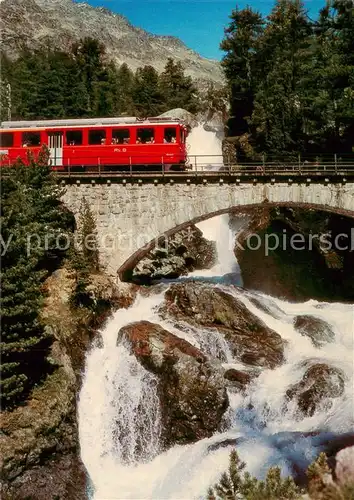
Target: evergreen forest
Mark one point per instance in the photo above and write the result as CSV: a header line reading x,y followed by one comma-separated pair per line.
x,y
291,80
35,229
83,83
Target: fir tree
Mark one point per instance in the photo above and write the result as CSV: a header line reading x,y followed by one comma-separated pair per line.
x,y
177,88
85,259
147,96
87,236
125,81
32,223
240,44
239,485
284,54
89,55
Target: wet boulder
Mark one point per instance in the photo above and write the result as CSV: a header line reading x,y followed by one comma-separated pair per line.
x,y
266,305
185,251
239,379
316,329
250,339
191,388
319,384
156,348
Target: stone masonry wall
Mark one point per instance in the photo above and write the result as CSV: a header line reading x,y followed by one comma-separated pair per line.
x,y
130,215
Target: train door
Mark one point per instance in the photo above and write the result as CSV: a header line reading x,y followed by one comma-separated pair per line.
x,y
55,145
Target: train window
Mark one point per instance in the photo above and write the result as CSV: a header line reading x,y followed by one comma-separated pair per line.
x,y
74,137
6,139
31,139
97,137
145,136
120,136
170,134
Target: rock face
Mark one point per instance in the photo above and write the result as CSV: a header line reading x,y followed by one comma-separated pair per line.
x,y
192,391
345,466
39,443
181,253
251,341
238,379
318,330
59,23
319,383
181,114
298,272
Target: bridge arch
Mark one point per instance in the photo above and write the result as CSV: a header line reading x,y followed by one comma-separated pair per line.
x,y
139,254
131,215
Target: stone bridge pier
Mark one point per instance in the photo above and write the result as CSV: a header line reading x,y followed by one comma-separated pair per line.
x,y
131,214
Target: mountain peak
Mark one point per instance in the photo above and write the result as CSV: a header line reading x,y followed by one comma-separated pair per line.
x,y
58,23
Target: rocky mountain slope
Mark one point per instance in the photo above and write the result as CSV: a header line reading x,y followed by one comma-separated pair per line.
x,y
58,23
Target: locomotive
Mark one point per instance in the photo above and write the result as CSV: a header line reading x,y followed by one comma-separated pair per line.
x,y
107,144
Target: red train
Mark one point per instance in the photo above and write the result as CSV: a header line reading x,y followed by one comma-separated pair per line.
x,y
123,143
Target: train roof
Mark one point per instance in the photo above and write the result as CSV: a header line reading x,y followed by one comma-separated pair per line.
x,y
95,122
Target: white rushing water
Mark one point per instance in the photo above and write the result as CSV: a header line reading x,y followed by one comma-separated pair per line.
x,y
218,229
119,416
204,149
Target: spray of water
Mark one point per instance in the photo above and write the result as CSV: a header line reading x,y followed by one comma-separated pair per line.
x,y
119,415
204,149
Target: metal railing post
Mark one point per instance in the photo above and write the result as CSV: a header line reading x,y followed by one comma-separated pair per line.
x,y
99,168
335,163
263,163
130,166
299,161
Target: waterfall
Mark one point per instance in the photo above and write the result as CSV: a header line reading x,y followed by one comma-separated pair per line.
x,y
204,149
119,417
218,229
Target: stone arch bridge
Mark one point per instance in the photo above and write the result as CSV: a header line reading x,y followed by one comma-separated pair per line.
x,y
132,212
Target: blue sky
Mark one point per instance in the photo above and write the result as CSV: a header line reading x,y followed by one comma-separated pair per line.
x,y
199,23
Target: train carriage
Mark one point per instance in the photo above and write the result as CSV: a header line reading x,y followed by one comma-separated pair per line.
x,y
110,144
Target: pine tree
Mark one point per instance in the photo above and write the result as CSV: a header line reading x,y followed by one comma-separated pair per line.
x,y
90,57
240,66
239,485
32,224
51,81
75,94
125,80
85,259
27,69
177,88
284,58
87,240
148,99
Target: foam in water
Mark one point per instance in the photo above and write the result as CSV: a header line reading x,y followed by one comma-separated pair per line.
x,y
119,417
204,149
118,409
217,229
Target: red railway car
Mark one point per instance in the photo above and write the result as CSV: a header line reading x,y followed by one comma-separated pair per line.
x,y
109,144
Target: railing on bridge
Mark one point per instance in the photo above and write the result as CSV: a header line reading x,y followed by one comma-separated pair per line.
x,y
208,165
214,165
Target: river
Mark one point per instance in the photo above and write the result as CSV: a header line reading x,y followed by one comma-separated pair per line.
x,y
119,416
